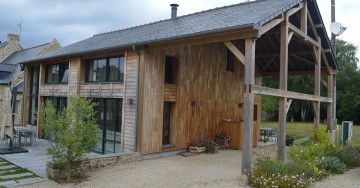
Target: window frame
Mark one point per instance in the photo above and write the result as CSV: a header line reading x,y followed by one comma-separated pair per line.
x,y
107,71
63,67
34,94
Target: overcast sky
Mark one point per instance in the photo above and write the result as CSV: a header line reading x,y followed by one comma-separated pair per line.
x,y
70,21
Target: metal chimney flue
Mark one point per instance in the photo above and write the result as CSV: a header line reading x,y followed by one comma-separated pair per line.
x,y
174,10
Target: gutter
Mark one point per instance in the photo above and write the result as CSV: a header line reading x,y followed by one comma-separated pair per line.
x,y
137,97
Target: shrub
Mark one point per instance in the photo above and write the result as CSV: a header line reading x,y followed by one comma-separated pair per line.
x,y
270,172
347,155
333,164
322,137
72,132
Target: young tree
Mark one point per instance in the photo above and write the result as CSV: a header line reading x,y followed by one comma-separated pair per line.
x,y
72,132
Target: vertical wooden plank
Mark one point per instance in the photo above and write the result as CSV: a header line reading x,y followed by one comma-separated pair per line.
x,y
317,79
329,115
304,14
284,30
248,105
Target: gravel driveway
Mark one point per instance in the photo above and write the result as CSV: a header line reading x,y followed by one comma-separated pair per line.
x,y
204,170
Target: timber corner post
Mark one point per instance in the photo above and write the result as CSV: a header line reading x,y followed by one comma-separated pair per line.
x,y
248,105
284,33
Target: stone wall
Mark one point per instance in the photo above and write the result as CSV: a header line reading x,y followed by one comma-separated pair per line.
x,y
53,45
84,166
11,46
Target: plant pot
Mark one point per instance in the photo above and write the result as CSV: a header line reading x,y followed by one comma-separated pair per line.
x,y
289,141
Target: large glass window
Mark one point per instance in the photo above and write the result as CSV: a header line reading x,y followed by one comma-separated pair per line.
x,y
57,73
109,119
105,70
34,94
59,102
166,124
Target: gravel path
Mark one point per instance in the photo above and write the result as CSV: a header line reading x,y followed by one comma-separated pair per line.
x,y
204,170
351,179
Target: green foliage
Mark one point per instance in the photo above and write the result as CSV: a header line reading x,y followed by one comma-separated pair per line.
x,y
333,165
322,136
270,172
349,155
270,104
348,82
72,131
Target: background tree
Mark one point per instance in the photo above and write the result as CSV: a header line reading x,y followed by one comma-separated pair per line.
x,y
72,132
347,82
348,89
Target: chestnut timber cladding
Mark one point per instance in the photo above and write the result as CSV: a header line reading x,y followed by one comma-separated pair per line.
x,y
204,94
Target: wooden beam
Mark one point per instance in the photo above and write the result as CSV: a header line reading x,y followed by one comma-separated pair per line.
x,y
326,61
324,82
290,36
288,104
290,53
292,73
312,25
317,86
268,63
205,39
284,55
303,59
248,106
329,114
294,10
303,21
259,90
303,35
271,25
235,51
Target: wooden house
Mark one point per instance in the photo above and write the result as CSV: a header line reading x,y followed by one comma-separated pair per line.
x,y
163,85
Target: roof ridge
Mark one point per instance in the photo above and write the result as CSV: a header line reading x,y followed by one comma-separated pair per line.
x,y
36,46
195,13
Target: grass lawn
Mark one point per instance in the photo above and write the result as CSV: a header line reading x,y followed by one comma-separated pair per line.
x,y
307,129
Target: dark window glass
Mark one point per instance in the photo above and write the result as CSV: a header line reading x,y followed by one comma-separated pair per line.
x,y
109,118
105,70
57,73
34,94
166,124
170,69
59,103
230,62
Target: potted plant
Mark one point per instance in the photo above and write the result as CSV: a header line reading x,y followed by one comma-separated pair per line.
x,y
289,140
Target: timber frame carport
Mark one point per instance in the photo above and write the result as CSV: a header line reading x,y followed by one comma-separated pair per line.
x,y
293,43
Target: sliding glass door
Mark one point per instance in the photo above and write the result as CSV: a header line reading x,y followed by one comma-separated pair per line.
x,y
109,118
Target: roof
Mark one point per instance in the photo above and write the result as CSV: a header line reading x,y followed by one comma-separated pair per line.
x,y
3,44
243,15
252,15
20,87
24,55
7,71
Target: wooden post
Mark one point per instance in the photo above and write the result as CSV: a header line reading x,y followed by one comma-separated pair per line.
x,y
284,31
329,115
248,105
304,14
317,87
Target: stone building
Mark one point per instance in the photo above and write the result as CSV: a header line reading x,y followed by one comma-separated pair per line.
x,y
11,75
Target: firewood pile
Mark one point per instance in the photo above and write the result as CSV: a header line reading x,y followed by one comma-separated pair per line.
x,y
211,146
223,140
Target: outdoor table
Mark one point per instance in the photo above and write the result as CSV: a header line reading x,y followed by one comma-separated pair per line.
x,y
26,130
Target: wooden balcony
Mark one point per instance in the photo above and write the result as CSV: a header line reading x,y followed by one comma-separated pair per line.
x,y
102,90
60,90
